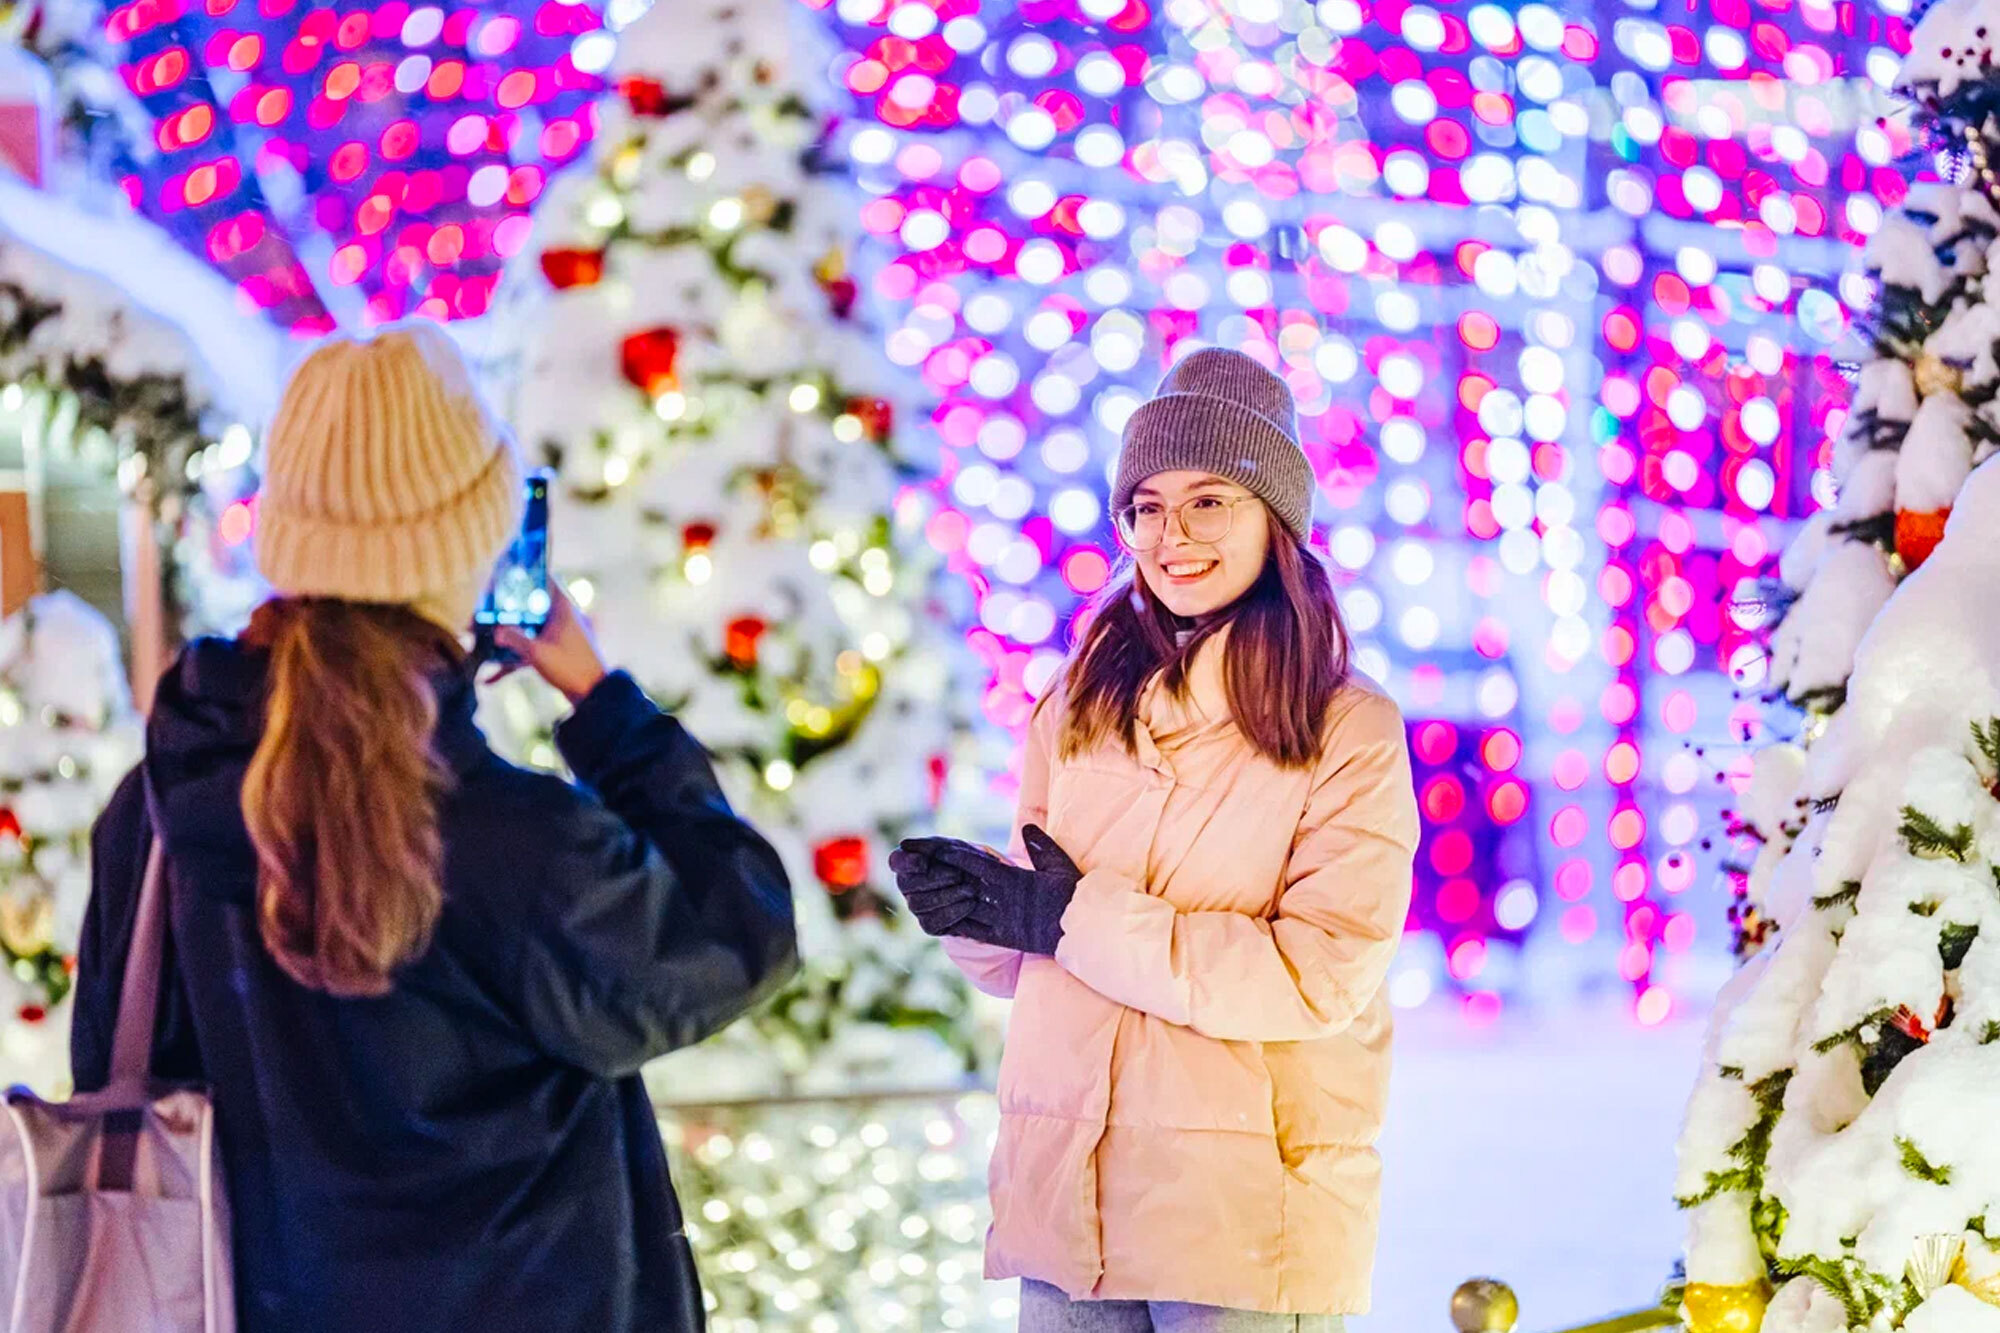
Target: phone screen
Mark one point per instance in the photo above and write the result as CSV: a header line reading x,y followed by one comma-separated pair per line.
x,y
519,593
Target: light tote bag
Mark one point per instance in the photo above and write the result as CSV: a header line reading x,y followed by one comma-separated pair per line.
x,y
112,1213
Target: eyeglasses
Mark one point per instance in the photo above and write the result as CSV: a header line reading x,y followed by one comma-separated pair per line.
x,y
1206,518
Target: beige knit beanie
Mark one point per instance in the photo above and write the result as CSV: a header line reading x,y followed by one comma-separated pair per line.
x,y
385,478
1221,412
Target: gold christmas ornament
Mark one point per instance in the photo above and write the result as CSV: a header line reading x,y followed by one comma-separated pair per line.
x,y
626,164
1713,1308
1935,375
27,921
1484,1305
1986,1283
759,204
1933,1258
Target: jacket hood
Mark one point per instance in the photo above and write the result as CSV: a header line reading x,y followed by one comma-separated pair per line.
x,y
207,719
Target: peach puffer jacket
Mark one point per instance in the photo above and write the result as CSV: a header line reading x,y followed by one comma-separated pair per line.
x,y
1193,1085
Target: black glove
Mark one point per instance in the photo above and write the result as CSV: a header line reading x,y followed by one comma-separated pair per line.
x,y
940,896
991,900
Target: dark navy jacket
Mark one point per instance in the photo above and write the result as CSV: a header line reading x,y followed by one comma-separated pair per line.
x,y
473,1152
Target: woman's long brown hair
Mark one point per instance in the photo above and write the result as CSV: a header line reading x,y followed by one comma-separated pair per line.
x,y
342,795
1287,656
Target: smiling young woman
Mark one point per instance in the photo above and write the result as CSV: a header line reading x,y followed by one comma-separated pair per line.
x,y
1212,867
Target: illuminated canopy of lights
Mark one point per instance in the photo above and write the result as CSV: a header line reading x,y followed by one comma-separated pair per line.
x,y
394,149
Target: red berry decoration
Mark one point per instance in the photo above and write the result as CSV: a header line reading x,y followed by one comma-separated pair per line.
x,y
1918,532
841,863
876,416
33,1013
10,823
841,294
698,536
648,358
646,97
740,643
573,268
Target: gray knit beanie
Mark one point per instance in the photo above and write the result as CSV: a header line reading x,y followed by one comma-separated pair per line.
x,y
1221,412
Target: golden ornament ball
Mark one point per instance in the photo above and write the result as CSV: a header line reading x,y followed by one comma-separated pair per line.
x,y
1484,1305
1711,1308
1985,1288
625,166
27,921
759,204
1936,375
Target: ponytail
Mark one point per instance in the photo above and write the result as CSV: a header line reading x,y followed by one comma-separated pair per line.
x,y
341,798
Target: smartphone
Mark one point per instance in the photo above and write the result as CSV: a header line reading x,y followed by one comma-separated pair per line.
x,y
519,593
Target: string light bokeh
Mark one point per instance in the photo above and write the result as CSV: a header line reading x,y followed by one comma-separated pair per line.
x,y
1559,295
395,149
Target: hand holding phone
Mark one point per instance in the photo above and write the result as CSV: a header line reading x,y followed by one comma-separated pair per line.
x,y
564,653
519,593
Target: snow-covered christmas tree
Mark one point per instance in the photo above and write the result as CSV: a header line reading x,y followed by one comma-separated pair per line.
x,y
68,734
734,511
1914,430
1838,1158
110,337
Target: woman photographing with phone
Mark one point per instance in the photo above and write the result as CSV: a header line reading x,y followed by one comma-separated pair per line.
x,y
419,983
1213,865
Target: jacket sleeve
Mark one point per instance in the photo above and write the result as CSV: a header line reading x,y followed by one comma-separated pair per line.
x,y
991,967
1311,969
666,917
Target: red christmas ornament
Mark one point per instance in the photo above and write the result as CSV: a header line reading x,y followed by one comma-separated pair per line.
x,y
1918,532
648,357
646,97
10,823
1912,1026
875,415
33,1013
740,642
698,536
841,294
573,268
841,863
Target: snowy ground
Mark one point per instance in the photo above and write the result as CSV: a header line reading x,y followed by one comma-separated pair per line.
x,y
1539,1151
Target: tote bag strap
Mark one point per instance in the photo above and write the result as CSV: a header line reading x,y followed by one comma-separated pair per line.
x,y
139,997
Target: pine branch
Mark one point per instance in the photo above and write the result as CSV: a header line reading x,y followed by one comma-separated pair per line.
x,y
1874,530
1767,1221
1926,837
1769,1092
1827,1045
1861,1292
1750,1151
1840,897
1919,1166
1987,737
1954,942
1990,1033
1737,1179
1823,699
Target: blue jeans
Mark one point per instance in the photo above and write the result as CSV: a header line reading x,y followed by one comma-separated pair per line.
x,y
1046,1310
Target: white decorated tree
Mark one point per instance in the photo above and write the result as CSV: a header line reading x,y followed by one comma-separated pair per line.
x,y
1919,419
1838,1158
735,509
108,339
68,733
